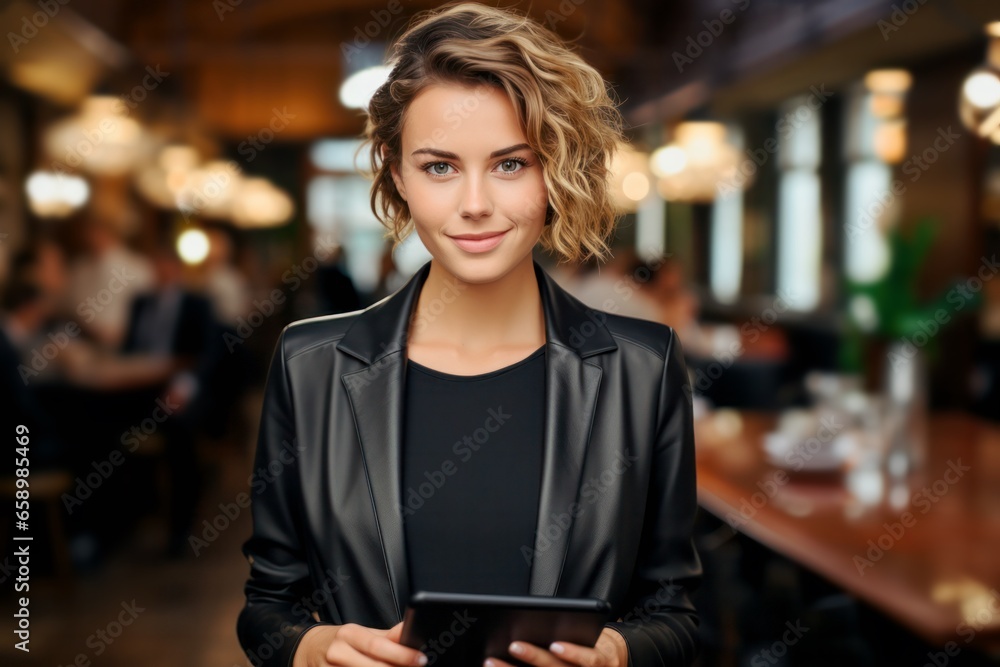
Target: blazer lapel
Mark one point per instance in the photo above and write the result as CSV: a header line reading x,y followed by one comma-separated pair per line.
x,y
570,395
377,337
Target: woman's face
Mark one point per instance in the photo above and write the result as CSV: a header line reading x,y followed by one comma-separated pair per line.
x,y
466,170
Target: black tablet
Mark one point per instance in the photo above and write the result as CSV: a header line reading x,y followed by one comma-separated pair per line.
x,y
463,629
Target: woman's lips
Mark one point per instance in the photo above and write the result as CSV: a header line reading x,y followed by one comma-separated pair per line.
x,y
479,245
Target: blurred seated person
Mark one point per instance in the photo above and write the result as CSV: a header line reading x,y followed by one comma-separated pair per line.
x,y
335,289
24,313
738,364
74,358
173,322
615,286
228,289
662,281
76,397
224,284
108,265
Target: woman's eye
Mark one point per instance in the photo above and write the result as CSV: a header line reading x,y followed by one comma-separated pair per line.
x,y
510,166
434,168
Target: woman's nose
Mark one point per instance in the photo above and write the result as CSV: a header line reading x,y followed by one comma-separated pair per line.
x,y
476,200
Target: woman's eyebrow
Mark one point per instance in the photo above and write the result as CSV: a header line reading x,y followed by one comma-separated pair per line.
x,y
452,156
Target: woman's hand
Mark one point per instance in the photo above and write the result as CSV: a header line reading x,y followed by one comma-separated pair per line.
x,y
609,651
352,644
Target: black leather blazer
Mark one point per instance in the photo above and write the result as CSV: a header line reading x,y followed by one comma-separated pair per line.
x,y
618,493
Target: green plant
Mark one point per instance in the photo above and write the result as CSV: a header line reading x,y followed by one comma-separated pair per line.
x,y
889,308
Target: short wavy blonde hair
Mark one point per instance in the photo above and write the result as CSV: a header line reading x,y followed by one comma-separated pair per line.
x,y
567,113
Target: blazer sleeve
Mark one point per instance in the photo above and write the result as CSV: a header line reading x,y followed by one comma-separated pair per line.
x,y
661,627
274,618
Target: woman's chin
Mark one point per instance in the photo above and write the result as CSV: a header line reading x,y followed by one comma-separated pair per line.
x,y
481,269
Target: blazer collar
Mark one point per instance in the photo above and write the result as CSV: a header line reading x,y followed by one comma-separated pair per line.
x,y
377,337
382,328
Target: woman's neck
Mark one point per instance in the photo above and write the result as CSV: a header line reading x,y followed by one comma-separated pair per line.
x,y
471,318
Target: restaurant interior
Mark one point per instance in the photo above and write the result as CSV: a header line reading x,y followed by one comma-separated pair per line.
x,y
809,196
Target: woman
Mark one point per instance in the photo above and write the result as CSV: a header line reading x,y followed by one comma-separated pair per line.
x,y
478,430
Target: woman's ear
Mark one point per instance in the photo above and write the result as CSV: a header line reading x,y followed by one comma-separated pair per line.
x,y
397,179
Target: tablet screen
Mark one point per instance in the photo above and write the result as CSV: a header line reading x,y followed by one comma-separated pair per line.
x,y
463,629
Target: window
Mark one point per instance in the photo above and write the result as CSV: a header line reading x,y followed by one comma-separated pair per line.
x,y
800,222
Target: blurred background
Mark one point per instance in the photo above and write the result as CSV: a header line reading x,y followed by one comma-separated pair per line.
x,y
811,197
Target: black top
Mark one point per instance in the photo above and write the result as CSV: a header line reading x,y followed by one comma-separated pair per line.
x,y
471,474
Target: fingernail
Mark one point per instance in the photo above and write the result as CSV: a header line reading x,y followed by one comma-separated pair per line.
x,y
516,648
489,663
556,648
422,659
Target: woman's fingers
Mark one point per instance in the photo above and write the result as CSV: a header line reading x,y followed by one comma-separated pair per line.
x,y
395,632
377,645
342,653
496,662
571,654
529,653
577,654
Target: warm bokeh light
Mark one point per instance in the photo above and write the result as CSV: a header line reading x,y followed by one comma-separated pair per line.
x,y
210,190
982,89
630,177
358,89
258,203
888,80
668,160
979,101
693,167
890,140
162,180
55,195
192,246
101,139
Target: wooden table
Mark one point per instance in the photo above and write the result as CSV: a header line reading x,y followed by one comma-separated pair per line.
x,y
925,551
